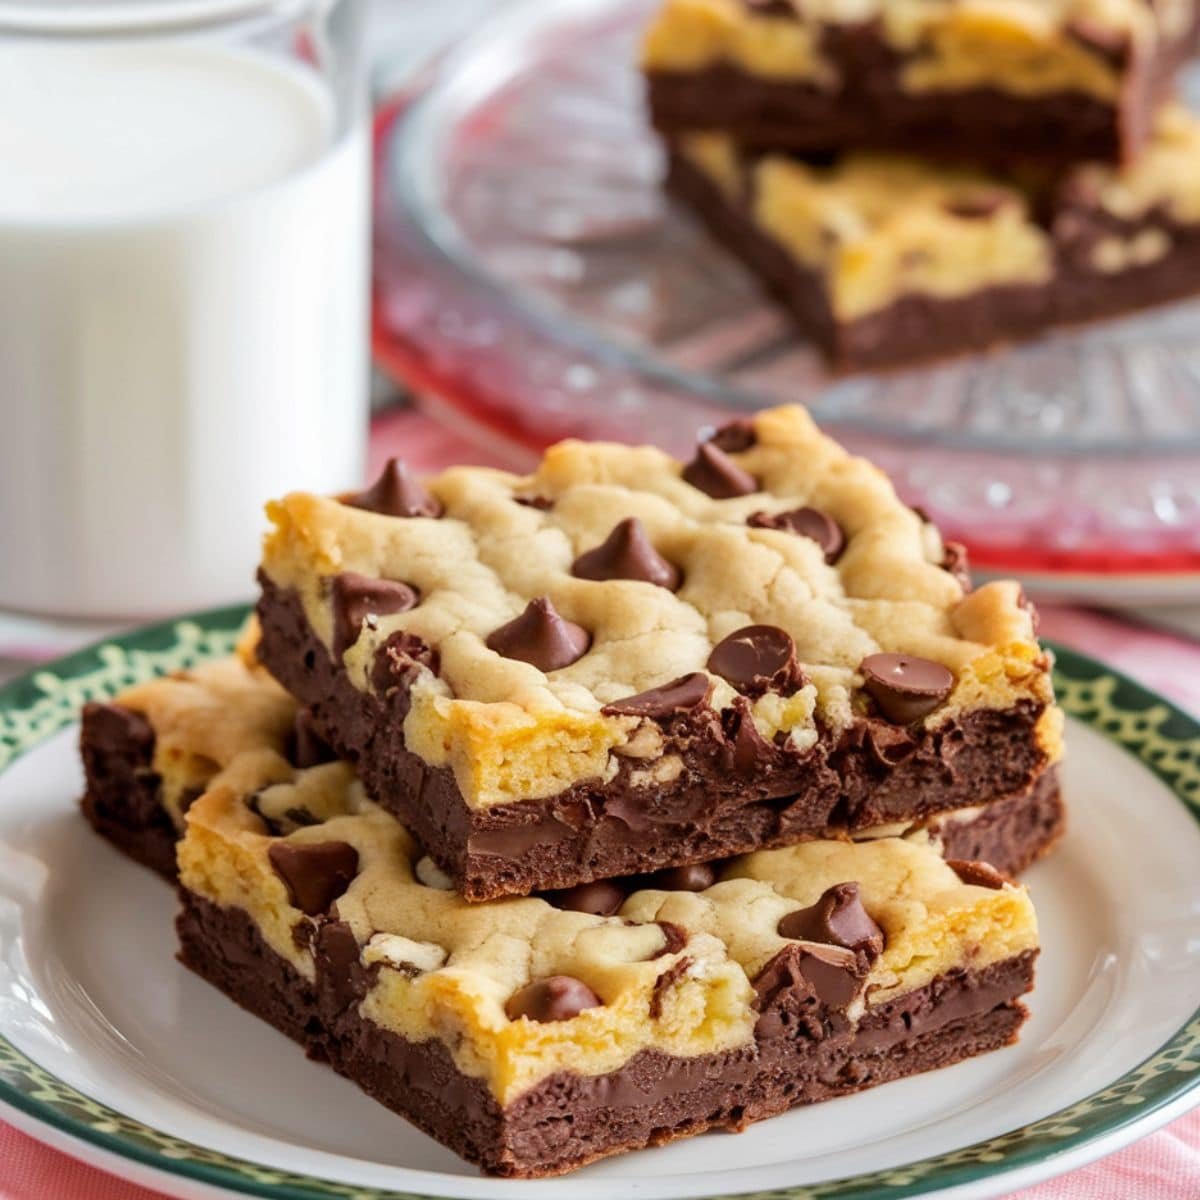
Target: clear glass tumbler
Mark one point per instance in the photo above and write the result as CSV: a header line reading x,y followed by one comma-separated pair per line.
x,y
183,290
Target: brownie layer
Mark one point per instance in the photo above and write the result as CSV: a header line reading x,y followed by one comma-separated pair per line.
x,y
869,108
916,327
1011,834
736,793
123,800
803,1052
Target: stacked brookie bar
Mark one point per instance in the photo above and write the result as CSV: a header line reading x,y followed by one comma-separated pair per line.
x,y
608,804
920,177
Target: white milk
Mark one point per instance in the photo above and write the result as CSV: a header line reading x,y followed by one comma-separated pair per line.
x,y
183,318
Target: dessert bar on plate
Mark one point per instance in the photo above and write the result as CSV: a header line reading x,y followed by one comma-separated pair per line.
x,y
1053,79
623,663
158,746
535,1035
882,258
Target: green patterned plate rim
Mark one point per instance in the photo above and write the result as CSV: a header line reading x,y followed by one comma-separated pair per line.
x,y
1164,738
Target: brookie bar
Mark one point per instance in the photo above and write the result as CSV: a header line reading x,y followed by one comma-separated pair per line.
x,y
533,1036
622,663
150,753
1051,79
883,259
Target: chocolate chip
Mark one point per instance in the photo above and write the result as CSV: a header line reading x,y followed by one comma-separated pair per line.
x,y
541,637
714,473
399,660
978,205
678,696
954,561
977,874
627,553
316,873
734,437
758,659
305,746
749,751
542,503
805,522
833,973
601,898
356,597
342,980
837,919
396,493
558,998
695,877
890,744
905,687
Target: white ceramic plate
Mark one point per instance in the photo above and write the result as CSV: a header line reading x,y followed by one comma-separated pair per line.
x,y
109,1049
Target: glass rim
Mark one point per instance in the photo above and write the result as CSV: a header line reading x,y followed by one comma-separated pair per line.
x,y
134,18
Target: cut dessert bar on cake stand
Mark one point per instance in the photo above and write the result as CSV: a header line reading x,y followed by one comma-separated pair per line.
x,y
1058,80
883,259
623,663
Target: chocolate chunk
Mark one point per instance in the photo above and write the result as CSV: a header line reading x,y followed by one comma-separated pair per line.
x,y
695,877
977,874
627,553
714,473
316,873
905,687
557,998
541,637
748,751
396,493
805,522
955,561
399,660
678,696
734,436
342,980
758,659
837,919
601,898
356,597
305,746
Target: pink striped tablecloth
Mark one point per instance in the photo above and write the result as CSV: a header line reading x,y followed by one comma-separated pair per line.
x,y
1163,1166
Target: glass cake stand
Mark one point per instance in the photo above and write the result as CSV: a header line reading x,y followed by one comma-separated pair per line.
x,y
535,283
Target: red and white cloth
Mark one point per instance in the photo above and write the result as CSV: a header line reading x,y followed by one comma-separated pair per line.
x,y
1163,1166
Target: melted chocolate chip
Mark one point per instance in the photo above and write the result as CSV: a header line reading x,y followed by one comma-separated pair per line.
x,y
805,522
833,973
542,503
758,659
715,474
748,750
541,637
316,873
954,561
627,553
396,493
305,746
399,660
735,436
977,874
837,919
558,998
601,898
680,695
695,877
356,597
905,687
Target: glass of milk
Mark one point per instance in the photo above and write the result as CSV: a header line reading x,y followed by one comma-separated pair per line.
x,y
184,205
